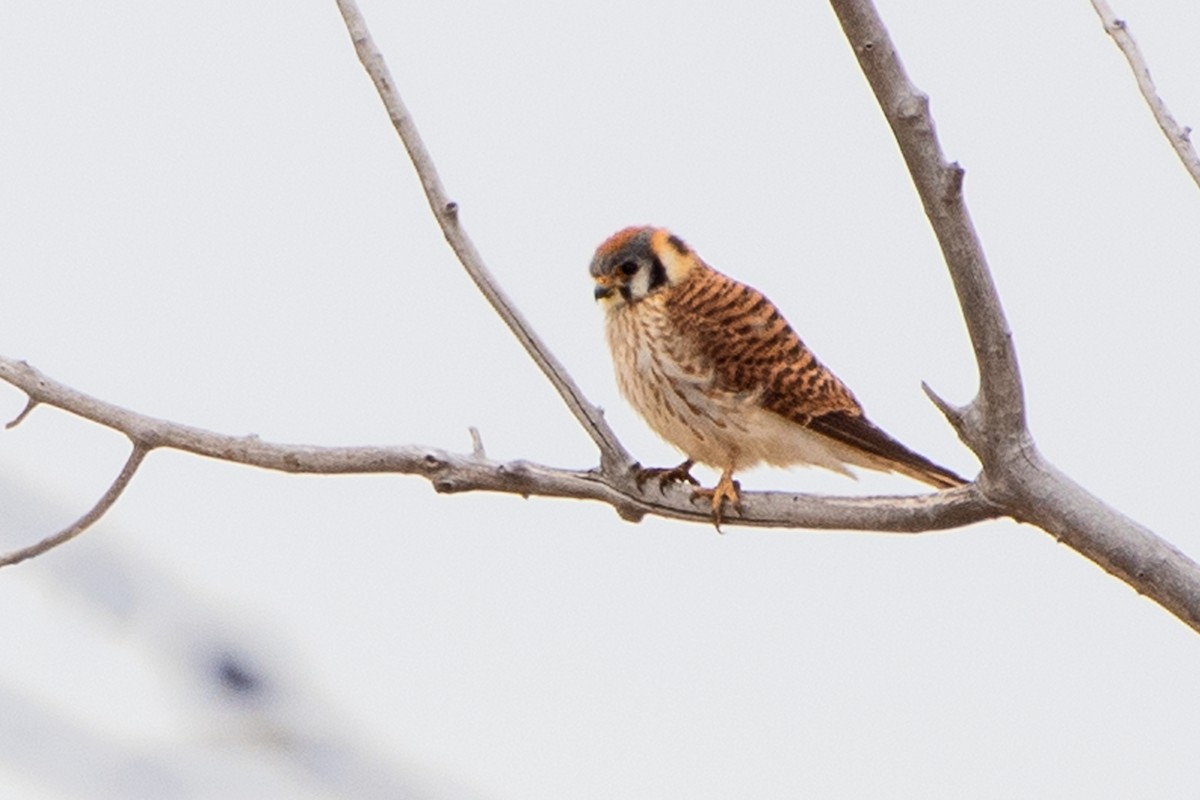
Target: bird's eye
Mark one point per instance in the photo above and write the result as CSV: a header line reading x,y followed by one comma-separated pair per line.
x,y
628,268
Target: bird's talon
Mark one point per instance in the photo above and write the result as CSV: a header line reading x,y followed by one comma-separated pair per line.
x,y
665,475
726,490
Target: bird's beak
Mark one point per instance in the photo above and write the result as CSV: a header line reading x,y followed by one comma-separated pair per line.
x,y
602,292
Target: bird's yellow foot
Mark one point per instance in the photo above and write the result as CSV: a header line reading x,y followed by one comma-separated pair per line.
x,y
727,489
665,475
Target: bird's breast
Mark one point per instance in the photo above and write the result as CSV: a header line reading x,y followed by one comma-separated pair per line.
x,y
671,385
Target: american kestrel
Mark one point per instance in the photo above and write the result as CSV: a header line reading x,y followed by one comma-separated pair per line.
x,y
716,370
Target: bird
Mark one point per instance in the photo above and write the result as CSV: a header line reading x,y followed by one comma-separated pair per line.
x,y
714,369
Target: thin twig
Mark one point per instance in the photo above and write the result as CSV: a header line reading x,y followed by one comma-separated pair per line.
x,y
30,405
476,443
1178,135
87,520
613,456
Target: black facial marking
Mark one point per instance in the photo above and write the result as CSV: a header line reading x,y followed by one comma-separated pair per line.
x,y
658,273
678,244
626,293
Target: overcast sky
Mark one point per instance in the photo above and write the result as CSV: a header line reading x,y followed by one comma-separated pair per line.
x,y
206,216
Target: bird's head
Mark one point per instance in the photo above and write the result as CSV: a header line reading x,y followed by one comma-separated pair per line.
x,y
636,262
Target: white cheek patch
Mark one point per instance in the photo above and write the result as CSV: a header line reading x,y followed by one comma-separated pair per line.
x,y
639,284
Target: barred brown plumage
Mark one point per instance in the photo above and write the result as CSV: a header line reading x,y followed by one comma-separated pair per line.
x,y
716,370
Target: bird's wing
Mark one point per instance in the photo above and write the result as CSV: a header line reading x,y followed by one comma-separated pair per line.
x,y
889,454
752,350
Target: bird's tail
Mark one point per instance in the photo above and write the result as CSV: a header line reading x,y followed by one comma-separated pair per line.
x,y
870,446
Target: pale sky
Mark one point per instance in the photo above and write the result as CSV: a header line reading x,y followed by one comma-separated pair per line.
x,y
208,218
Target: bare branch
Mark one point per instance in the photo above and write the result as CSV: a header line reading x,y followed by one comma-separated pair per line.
x,y
613,455
87,520
1015,477
997,416
452,473
1177,135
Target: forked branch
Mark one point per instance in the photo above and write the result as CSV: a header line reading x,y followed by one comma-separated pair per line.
x,y
1015,475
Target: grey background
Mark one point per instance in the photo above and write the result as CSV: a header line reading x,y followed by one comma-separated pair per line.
x,y
205,216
